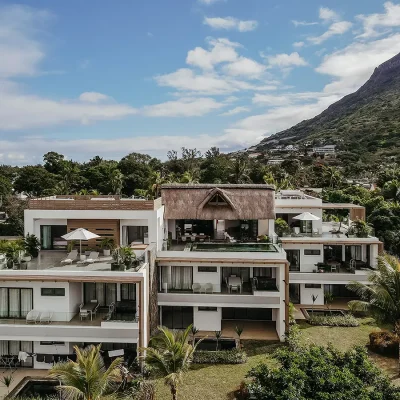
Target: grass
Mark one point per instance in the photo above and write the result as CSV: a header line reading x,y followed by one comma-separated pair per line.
x,y
219,382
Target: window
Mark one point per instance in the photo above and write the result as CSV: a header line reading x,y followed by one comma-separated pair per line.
x,y
310,252
52,343
312,286
104,293
177,317
217,200
15,302
207,308
53,291
293,257
13,347
207,269
128,291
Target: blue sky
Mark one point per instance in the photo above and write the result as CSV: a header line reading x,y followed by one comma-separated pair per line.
x,y
107,78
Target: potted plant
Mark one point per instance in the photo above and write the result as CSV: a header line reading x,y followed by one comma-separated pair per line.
x,y
361,228
281,227
263,238
70,246
32,246
14,252
123,258
107,245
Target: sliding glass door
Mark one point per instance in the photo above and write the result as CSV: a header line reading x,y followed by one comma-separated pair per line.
x,y
104,293
15,302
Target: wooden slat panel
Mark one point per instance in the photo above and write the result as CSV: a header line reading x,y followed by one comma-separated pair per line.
x,y
101,227
84,204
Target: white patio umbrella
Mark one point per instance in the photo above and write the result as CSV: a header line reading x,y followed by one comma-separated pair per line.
x,y
307,216
80,234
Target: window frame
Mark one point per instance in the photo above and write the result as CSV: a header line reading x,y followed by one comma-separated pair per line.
x,y
214,269
207,309
53,292
312,252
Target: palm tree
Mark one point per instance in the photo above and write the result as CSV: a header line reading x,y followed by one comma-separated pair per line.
x,y
88,378
190,177
381,296
313,299
170,354
328,299
239,331
218,335
240,170
117,181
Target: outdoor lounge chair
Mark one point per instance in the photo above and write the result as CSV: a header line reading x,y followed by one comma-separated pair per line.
x,y
196,287
46,317
32,317
208,287
70,258
93,257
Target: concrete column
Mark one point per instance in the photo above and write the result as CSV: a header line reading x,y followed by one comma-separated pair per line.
x,y
343,252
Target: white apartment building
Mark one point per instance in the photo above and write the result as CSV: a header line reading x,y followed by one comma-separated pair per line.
x,y
203,259
321,258
329,149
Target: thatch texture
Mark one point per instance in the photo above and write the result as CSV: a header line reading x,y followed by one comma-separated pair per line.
x,y
242,201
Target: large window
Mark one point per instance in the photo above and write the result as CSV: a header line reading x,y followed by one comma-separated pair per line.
x,y
104,293
252,314
13,347
181,278
128,291
293,257
353,253
15,302
51,237
177,317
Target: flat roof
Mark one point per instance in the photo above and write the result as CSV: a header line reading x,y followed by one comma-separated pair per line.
x,y
346,206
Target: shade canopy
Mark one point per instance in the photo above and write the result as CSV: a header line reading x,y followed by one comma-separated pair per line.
x,y
80,234
307,216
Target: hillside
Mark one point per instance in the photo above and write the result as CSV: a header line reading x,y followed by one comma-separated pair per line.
x,y
367,120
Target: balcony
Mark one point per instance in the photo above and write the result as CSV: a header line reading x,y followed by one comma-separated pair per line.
x,y
69,327
75,202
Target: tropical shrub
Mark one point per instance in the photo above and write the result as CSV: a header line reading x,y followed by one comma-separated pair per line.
x,y
233,356
384,343
333,320
281,227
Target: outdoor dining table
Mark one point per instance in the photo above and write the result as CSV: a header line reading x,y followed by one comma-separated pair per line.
x,y
89,307
234,281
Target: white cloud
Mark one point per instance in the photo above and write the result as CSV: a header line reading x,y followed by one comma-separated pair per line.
x,y
93,97
208,2
353,65
298,44
234,111
185,107
244,66
389,19
20,50
286,60
327,14
337,28
222,51
303,23
230,23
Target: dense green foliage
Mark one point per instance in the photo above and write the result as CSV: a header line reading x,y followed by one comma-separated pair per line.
x,y
333,320
381,296
320,373
141,175
219,357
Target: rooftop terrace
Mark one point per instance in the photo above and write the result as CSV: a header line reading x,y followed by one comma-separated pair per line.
x,y
76,202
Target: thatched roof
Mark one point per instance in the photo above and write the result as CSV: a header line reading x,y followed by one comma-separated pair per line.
x,y
192,201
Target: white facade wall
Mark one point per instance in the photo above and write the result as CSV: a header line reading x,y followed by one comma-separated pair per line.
x,y
208,277
207,320
307,263
38,348
306,293
263,227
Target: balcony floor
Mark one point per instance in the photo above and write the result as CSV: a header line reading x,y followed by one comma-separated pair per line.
x,y
254,330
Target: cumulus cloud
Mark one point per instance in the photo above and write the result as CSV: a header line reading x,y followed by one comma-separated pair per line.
x,y
93,97
230,23
337,28
286,60
389,19
244,66
209,2
326,14
298,44
234,111
185,107
353,65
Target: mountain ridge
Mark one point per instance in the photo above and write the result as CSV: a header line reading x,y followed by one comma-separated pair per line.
x,y
370,115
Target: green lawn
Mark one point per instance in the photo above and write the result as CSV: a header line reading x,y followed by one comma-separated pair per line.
x,y
219,382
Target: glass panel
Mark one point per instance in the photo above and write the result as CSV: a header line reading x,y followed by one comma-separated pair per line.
x,y
45,237
100,294
111,293
187,316
294,293
128,291
293,256
90,291
167,316
3,348
15,306
3,302
26,302
14,347
182,278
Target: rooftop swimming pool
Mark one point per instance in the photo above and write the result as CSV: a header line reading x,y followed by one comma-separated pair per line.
x,y
235,247
31,387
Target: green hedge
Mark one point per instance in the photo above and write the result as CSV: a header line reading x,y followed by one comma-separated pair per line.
x,y
334,320
220,357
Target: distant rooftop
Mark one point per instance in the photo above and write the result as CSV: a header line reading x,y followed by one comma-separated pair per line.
x,y
86,202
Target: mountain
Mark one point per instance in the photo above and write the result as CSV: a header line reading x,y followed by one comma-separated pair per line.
x,y
367,121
